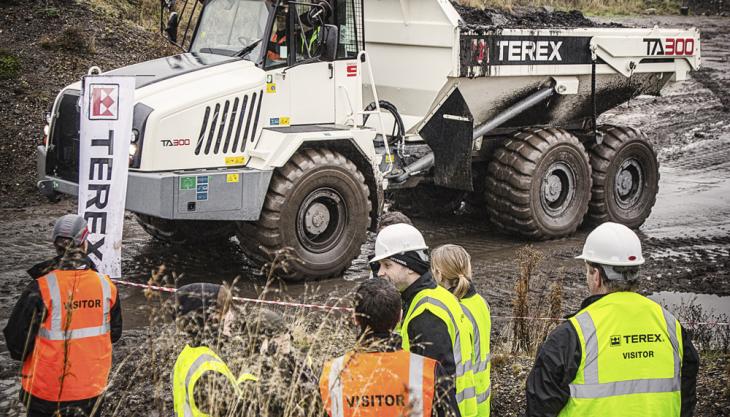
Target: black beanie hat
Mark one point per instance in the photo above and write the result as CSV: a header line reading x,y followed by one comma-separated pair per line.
x,y
412,261
199,296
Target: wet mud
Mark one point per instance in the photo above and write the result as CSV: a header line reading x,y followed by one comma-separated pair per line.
x,y
686,238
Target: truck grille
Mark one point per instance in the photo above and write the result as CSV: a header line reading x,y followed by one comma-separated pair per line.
x,y
229,125
63,157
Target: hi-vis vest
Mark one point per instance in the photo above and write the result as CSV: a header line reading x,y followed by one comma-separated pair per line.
x,y
378,384
477,311
631,357
72,355
191,364
441,303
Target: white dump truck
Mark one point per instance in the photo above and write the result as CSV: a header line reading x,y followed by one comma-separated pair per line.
x,y
299,115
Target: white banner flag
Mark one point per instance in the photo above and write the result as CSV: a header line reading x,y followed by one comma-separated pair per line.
x,y
107,107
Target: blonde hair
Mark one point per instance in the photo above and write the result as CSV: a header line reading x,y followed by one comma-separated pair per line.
x,y
451,267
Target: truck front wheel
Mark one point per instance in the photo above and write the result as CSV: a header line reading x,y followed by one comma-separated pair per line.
x,y
539,184
625,177
186,231
314,218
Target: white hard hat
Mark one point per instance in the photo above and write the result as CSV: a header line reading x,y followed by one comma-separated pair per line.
x,y
612,244
397,238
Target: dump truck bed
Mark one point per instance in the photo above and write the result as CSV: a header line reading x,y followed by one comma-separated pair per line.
x,y
422,51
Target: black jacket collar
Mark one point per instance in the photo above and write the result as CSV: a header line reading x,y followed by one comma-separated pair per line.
x,y
425,282
588,301
382,342
42,268
471,291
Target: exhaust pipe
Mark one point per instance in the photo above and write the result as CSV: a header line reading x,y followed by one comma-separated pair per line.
x,y
427,161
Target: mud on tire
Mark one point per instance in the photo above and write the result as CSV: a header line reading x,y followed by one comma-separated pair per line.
x,y
186,231
625,177
539,184
318,206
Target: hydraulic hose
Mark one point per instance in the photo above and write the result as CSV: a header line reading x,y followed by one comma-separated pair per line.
x,y
390,107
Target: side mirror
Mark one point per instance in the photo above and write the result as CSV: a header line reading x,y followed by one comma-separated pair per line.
x,y
171,29
329,39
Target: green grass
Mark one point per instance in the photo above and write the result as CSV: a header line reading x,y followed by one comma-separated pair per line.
x,y
9,65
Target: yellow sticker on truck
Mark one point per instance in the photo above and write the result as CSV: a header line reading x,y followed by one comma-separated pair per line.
x,y
235,160
232,178
270,88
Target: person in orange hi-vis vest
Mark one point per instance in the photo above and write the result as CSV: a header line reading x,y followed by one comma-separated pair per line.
x,y
63,327
378,378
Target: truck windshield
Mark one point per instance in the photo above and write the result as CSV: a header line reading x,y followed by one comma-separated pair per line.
x,y
230,27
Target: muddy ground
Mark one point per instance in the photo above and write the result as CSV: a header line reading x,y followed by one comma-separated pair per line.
x,y
687,237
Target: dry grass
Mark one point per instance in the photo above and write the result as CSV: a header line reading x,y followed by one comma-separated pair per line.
x,y
589,7
286,355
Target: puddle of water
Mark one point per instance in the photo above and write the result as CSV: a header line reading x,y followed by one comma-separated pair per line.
x,y
712,304
689,202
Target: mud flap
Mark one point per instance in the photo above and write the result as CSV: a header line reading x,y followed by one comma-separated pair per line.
x,y
449,134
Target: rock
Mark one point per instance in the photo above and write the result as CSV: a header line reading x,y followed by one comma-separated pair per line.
x,y
650,10
548,9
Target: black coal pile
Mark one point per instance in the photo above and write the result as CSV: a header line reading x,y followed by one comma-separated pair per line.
x,y
523,18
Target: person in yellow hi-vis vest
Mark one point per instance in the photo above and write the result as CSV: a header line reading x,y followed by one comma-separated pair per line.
x,y
202,383
622,354
451,267
434,325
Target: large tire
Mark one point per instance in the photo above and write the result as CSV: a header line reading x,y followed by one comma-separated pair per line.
x,y
625,177
539,184
427,200
317,206
186,231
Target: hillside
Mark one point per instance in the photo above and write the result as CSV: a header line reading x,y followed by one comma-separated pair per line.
x,y
45,45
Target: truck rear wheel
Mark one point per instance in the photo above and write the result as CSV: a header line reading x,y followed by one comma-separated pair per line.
x,y
186,231
317,206
539,184
625,177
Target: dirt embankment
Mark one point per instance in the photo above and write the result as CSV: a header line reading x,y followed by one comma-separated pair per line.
x,y
523,17
44,46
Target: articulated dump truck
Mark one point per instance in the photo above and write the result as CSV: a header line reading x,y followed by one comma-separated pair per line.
x,y
300,116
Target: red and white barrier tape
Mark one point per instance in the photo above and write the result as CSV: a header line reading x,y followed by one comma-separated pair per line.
x,y
348,309
241,299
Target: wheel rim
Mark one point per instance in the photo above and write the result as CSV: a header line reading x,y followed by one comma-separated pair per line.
x,y
321,220
628,184
558,189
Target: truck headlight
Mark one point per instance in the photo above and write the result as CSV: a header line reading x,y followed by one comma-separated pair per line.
x,y
132,149
135,135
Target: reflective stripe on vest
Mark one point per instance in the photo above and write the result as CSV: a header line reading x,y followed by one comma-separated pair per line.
x,y
189,399
336,400
592,388
57,332
480,366
183,388
355,377
464,378
461,368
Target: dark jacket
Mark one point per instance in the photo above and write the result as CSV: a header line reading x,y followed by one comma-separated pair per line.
x,y
28,313
557,364
444,402
429,335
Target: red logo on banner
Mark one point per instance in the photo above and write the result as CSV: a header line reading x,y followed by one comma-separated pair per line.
x,y
104,102
352,70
